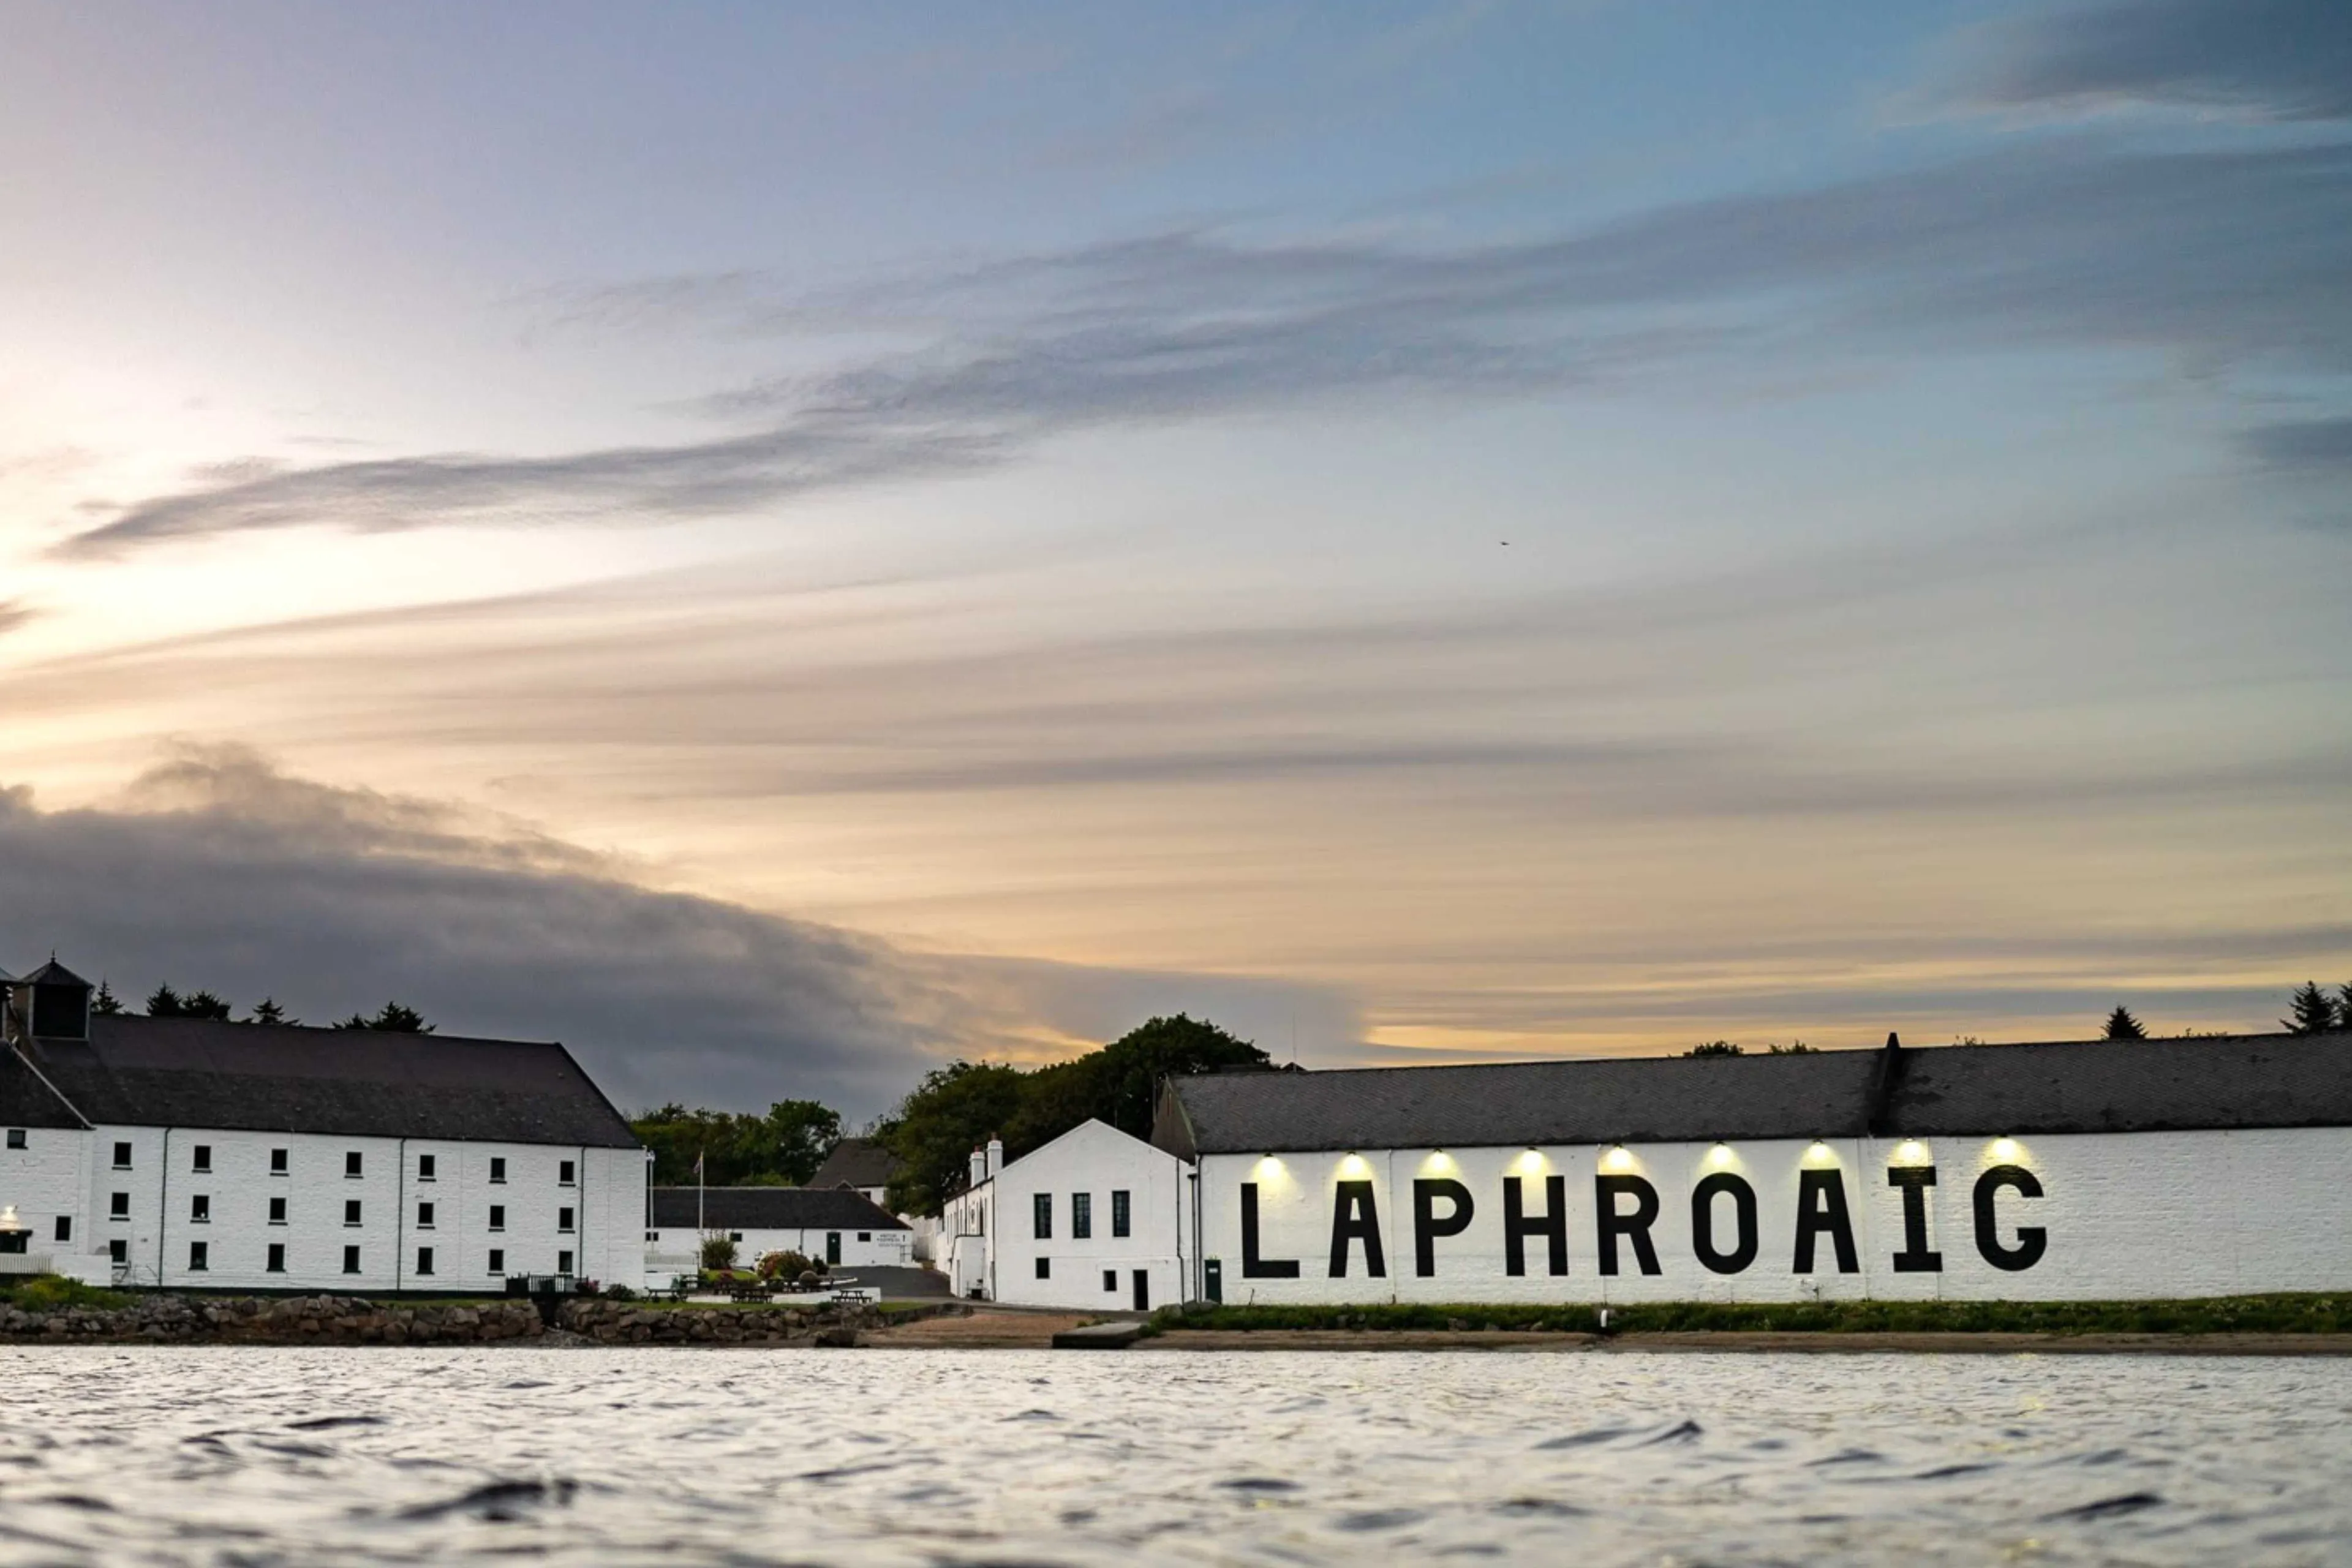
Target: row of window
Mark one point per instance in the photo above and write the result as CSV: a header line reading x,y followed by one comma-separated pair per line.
x,y
567,1171
1082,1215
200,1258
200,1212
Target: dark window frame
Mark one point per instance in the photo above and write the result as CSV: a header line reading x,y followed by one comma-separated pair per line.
x,y
350,1260
273,1260
1082,1216
1041,1217
199,1257
1122,1212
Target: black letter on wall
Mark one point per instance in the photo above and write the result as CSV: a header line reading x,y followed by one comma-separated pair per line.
x,y
1634,1226
1743,1209
1253,1265
1356,1219
1551,1225
2032,1239
1821,1205
1427,1227
1915,1181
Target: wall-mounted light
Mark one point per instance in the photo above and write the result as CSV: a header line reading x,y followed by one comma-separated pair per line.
x,y
1721,1155
1619,1158
1818,1151
1911,1152
2004,1149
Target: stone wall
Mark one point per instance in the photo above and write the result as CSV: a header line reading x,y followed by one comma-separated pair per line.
x,y
355,1321
623,1323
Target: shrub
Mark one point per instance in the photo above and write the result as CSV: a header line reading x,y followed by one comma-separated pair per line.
x,y
620,1293
49,1292
718,1252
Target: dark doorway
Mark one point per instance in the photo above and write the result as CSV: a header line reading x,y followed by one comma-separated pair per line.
x,y
1143,1289
831,1248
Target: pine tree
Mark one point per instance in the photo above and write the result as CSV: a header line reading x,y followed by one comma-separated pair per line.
x,y
2122,1025
267,1011
105,1003
2314,1013
163,1002
2344,1006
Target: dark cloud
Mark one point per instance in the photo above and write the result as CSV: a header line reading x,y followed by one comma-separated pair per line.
x,y
221,872
2322,447
2219,259
14,612
2275,60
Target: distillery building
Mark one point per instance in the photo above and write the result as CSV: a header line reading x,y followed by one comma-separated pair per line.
x,y
204,1153
2105,1170
840,1225
1096,1220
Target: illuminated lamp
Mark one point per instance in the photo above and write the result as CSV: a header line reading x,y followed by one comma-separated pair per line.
x,y
1619,1158
1721,1155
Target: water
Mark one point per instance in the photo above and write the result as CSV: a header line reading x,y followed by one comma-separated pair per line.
x,y
285,1456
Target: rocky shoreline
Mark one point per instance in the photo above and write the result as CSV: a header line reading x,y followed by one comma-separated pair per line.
x,y
357,1320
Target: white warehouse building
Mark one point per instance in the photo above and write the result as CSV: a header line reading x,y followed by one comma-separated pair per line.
x,y
1095,1220
201,1154
839,1225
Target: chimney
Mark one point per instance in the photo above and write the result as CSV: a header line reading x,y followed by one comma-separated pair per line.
x,y
979,1165
995,1156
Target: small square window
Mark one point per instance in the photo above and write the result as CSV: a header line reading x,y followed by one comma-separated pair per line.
x,y
350,1211
351,1164
564,1263
64,1228
1110,1278
278,1211
203,1158
200,1209
276,1263
498,1216
425,1163
563,1220
117,1206
278,1162
424,1260
498,1260
118,1251
731,1235
200,1255
563,1173
497,1167
1082,1216
351,1260
1041,1213
865,1236
1122,1213
122,1156
16,1137
1045,1268
425,1216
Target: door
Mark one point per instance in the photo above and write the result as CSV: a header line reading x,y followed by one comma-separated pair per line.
x,y
1143,1289
831,1248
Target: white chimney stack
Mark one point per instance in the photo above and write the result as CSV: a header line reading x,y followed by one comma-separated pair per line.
x,y
995,1156
979,1165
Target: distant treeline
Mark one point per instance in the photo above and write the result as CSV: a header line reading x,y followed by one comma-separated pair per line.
x,y
165,1003
781,1149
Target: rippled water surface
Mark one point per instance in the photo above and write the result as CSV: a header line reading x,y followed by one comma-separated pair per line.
x,y
261,1456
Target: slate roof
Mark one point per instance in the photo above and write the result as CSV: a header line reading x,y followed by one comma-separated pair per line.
x,y
204,1072
857,1162
2101,1086
771,1208
26,1100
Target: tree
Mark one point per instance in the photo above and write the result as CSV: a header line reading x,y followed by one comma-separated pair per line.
x,y
163,1002
392,1018
2344,1006
1716,1048
1794,1048
781,1149
954,1108
2314,1013
2122,1025
203,1005
267,1011
1120,1084
105,1003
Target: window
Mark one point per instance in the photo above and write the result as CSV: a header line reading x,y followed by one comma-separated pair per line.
x,y
498,1260
16,1137
350,1211
564,1175
865,1236
498,1216
200,1209
276,1263
118,1251
203,1158
122,1156
1110,1278
1120,1211
278,1211
351,1260
118,1207
278,1162
564,1263
1042,1206
13,1241
563,1220
497,1167
351,1164
1082,1215
65,1227
200,1255
425,1216
1045,1268
425,1167
424,1260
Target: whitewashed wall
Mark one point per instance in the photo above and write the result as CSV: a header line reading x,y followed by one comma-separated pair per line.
x,y
606,1197
2121,1215
1097,1159
45,1179
679,1249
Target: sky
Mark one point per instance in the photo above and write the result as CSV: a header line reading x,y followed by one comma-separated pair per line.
x,y
785,545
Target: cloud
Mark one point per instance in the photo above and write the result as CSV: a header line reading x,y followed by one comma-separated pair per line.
x,y
2272,59
2220,259
2322,447
14,613
217,871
